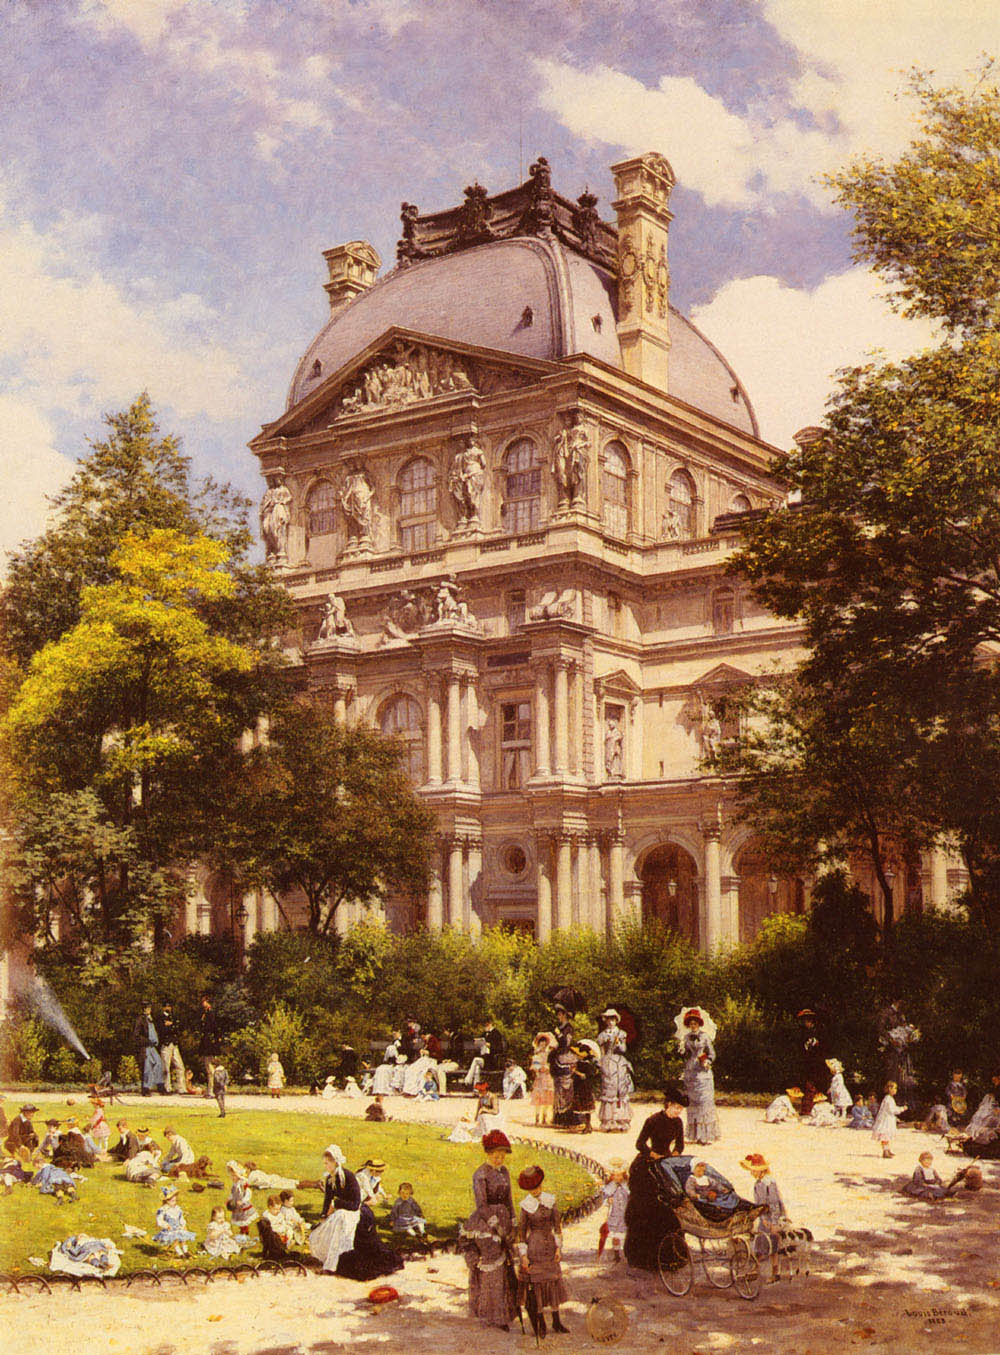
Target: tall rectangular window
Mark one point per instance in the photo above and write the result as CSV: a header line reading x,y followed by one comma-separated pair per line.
x,y
515,744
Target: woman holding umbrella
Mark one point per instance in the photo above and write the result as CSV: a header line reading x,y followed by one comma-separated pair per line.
x,y
617,1085
695,1034
563,1061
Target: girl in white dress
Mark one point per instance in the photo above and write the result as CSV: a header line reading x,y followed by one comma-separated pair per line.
x,y
884,1128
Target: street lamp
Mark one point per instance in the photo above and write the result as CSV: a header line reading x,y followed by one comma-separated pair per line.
x,y
239,916
672,888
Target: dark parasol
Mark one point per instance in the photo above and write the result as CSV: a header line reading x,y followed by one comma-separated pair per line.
x,y
630,1023
564,996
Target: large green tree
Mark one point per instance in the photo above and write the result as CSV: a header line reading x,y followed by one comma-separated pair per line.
x,y
892,560
327,813
138,642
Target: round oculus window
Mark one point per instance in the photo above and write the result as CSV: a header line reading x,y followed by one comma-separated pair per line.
x,y
514,860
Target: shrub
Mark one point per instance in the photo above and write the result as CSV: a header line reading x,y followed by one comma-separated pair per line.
x,y
63,1065
128,1071
22,1049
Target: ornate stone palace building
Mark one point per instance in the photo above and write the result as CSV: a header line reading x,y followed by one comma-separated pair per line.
x,y
502,495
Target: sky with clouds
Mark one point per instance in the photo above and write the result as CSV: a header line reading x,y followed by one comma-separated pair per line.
x,y
170,171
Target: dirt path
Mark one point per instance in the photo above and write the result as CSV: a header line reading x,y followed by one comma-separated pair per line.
x,y
888,1273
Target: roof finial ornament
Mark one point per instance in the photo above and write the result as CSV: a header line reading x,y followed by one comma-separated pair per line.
x,y
539,217
475,213
407,248
585,219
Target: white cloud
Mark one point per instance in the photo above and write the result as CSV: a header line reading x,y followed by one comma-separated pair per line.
x,y
79,343
31,470
855,58
786,344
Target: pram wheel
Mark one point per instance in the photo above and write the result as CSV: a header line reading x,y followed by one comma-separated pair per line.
x,y
717,1259
674,1261
745,1268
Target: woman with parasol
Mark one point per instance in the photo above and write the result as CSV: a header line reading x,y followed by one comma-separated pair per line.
x,y
562,1061
617,1084
695,1035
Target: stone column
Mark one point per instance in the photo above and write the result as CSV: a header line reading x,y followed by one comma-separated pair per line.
x,y
191,915
563,919
435,893
598,916
543,923
542,757
340,705
576,729
456,903
939,878
616,879
562,717
470,710
712,930
270,914
473,921
730,910
454,729
433,731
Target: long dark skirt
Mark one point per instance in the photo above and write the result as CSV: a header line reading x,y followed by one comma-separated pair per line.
x,y
989,1150
370,1257
647,1219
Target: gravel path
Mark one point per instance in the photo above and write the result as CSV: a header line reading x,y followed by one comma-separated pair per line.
x,y
887,1273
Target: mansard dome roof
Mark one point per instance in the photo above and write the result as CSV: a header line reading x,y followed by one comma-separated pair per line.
x,y
525,295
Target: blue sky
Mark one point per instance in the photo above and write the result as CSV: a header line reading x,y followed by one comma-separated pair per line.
x,y
171,170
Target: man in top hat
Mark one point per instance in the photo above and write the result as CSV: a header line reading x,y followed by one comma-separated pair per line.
x,y
495,1049
21,1132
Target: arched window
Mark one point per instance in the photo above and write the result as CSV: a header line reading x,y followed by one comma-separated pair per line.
x,y
401,718
614,484
322,509
417,505
682,509
522,491
740,504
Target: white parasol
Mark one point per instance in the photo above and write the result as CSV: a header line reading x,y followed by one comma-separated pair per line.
x,y
708,1026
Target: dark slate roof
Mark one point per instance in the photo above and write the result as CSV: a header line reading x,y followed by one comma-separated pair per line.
x,y
479,296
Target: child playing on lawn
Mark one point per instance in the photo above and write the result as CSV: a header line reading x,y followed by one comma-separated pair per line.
x,y
406,1216
860,1117
370,1180
240,1202
295,1225
99,1129
50,1142
375,1113
884,1128
616,1194
926,1183
219,1239
171,1226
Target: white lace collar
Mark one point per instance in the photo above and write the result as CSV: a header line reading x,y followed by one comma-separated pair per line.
x,y
530,1203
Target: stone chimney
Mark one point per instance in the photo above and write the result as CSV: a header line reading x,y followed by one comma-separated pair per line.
x,y
643,188
352,270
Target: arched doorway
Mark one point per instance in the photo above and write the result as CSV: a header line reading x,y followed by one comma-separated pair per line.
x,y
669,892
763,892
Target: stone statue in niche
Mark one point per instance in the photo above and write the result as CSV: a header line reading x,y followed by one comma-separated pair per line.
x,y
335,624
553,605
614,745
411,372
449,606
711,733
403,616
570,453
671,525
357,499
275,518
466,481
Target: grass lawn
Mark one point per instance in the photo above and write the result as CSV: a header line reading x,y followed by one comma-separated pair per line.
x,y
277,1140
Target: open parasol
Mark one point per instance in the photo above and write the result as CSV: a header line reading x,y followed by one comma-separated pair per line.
x,y
708,1025
564,996
630,1023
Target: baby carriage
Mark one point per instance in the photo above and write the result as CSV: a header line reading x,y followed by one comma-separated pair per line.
x,y
723,1245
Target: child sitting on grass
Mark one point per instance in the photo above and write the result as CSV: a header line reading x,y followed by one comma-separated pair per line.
x,y
219,1239
171,1226
240,1202
375,1113
406,1216
295,1225
860,1117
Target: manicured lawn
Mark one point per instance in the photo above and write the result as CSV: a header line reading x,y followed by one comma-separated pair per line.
x,y
277,1140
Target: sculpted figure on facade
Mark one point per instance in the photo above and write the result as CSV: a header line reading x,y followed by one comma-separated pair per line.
x,y
614,745
554,604
450,606
466,481
570,453
276,517
711,733
411,372
403,616
671,525
357,499
335,624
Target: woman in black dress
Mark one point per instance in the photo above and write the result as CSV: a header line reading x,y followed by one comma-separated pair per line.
x,y
648,1218
346,1242
562,1062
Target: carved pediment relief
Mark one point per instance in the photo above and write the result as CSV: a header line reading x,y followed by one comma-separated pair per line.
x,y
719,678
617,683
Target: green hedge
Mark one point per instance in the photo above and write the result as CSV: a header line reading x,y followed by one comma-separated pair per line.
x,y
305,997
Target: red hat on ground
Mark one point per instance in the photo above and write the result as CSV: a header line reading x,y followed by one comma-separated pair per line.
x,y
495,1139
531,1178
